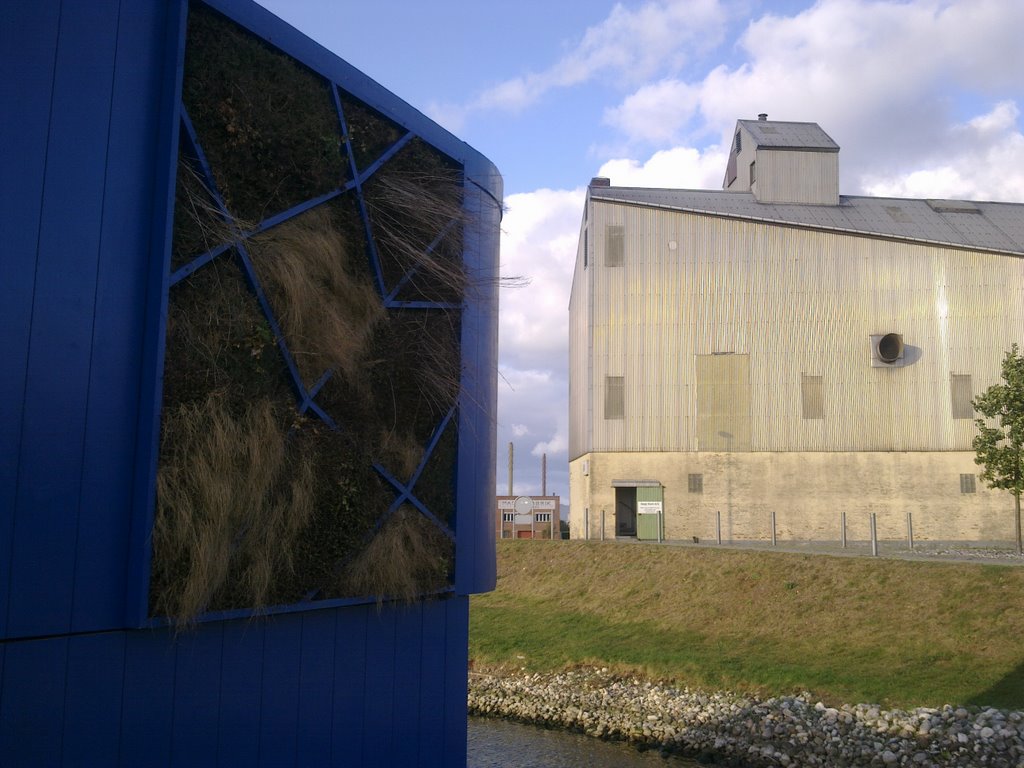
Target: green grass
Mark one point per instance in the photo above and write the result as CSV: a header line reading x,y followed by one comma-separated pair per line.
x,y
851,630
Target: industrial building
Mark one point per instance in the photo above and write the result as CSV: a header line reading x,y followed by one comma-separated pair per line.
x,y
775,358
528,517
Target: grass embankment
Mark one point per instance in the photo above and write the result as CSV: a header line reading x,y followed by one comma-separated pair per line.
x,y
851,630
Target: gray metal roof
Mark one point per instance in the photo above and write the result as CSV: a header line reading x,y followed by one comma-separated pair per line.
x,y
769,134
975,225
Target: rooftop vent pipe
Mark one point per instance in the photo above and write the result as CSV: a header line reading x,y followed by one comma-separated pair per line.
x,y
762,116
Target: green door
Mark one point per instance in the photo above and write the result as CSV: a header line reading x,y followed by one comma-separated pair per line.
x,y
649,508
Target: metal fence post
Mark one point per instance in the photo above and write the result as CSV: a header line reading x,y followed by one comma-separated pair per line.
x,y
874,536
910,530
775,541
842,524
718,526
586,523
602,525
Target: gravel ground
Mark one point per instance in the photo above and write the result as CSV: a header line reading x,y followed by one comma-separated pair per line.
x,y
727,729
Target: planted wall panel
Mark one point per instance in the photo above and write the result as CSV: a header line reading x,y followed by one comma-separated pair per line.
x,y
313,364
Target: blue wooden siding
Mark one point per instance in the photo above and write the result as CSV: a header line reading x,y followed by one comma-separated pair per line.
x,y
83,110
28,39
56,395
89,144
244,693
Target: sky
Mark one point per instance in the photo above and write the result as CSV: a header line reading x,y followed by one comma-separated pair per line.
x,y
924,98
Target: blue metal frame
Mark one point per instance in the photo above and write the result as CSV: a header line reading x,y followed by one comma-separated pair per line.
x,y
481,195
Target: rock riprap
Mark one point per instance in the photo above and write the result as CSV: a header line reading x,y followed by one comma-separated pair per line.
x,y
730,729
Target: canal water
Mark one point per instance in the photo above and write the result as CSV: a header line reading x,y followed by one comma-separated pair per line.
x,y
504,744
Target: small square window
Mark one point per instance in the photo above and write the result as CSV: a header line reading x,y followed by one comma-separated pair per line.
x,y
967,484
695,483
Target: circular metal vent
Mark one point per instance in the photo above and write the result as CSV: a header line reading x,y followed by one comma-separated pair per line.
x,y
890,347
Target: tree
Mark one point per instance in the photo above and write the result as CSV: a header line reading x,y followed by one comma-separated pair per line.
x,y
1000,449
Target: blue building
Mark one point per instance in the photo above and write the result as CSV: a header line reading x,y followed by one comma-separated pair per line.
x,y
102,659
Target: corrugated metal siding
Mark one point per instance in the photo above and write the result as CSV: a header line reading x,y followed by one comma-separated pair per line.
x,y
811,393
580,390
797,177
796,301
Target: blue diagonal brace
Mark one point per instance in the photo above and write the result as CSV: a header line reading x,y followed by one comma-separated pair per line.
x,y
429,250
200,261
405,494
357,183
405,491
250,272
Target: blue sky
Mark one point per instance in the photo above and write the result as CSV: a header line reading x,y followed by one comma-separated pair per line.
x,y
923,97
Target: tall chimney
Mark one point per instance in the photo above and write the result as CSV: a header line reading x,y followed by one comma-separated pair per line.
x,y
510,452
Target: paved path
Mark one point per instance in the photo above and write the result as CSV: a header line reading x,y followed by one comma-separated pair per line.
x,y
995,553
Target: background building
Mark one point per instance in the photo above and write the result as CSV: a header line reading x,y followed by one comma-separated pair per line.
x,y
777,347
541,521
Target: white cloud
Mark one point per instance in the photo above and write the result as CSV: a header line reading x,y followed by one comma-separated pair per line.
x,y
989,165
629,46
540,231
880,77
535,400
558,444
656,112
682,167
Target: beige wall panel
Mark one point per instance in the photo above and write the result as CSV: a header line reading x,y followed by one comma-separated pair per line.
x,y
797,302
579,494
807,491
723,402
580,340
797,177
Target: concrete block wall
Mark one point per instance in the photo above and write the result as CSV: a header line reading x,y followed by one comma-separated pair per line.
x,y
808,492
